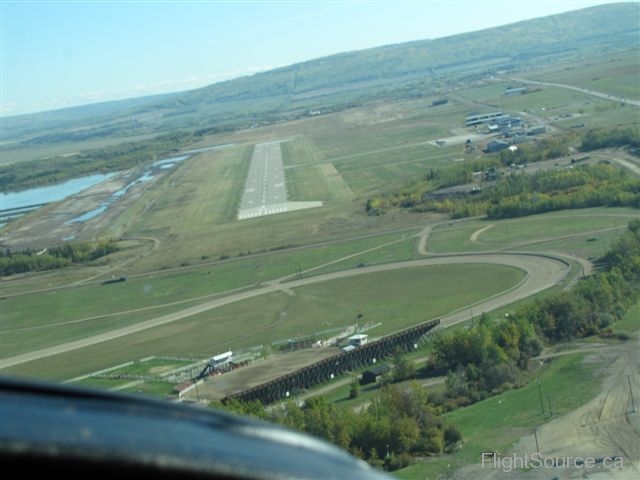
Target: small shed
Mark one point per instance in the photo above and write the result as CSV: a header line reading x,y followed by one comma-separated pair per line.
x,y
371,375
496,146
358,339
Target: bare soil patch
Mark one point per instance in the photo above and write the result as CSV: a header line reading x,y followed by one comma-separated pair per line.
x,y
259,372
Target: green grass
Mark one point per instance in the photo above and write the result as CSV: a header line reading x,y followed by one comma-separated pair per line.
x,y
399,248
18,341
545,229
614,74
397,299
497,422
300,151
308,177
155,366
527,230
154,389
587,245
372,174
317,182
102,383
630,323
340,396
45,318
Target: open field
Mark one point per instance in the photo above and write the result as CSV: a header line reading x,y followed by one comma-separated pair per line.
x,y
419,295
547,231
615,74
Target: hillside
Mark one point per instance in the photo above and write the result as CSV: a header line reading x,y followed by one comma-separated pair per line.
x,y
339,81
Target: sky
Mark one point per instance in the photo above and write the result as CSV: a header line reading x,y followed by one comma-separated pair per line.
x,y
57,54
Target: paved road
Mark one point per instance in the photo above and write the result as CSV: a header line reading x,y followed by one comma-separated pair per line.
x,y
582,90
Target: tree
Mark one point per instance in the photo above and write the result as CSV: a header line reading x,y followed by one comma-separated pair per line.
x,y
402,367
354,390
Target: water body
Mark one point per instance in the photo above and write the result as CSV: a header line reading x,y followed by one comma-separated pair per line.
x,y
16,204
51,193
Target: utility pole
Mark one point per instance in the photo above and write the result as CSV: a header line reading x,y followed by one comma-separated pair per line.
x,y
298,271
633,405
535,435
540,393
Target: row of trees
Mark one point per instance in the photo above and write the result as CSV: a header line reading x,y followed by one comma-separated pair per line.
x,y
610,138
541,150
598,185
31,260
414,194
520,194
400,423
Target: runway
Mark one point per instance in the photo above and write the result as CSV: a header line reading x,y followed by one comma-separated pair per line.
x,y
265,191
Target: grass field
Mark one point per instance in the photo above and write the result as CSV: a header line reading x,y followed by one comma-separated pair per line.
x,y
153,366
615,74
630,324
35,320
102,383
547,230
398,299
156,389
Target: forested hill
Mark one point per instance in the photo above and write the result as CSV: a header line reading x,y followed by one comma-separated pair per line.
x,y
340,80
592,30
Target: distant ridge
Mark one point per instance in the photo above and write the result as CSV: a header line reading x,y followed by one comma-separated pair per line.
x,y
337,81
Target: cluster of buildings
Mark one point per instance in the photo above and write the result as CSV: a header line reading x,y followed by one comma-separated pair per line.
x,y
505,125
